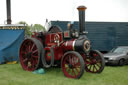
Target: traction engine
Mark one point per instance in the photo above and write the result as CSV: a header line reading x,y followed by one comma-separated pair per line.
x,y
69,49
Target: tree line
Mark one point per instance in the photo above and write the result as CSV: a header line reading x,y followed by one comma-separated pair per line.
x,y
29,29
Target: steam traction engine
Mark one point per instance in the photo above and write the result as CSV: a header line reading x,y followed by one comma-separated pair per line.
x,y
69,49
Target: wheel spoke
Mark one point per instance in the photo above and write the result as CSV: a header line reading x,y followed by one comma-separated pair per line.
x,y
70,60
66,60
95,68
90,67
35,51
87,65
32,47
73,61
66,67
98,61
77,70
97,65
34,63
35,56
68,70
74,72
24,60
87,61
29,48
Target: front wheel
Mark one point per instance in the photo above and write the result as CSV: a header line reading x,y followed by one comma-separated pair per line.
x,y
95,62
72,65
121,62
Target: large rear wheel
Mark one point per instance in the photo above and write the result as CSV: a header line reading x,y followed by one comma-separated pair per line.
x,y
95,62
72,64
30,52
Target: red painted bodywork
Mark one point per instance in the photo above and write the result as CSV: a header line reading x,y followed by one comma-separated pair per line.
x,y
59,48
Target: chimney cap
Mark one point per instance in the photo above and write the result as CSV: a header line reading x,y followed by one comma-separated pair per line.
x,y
81,8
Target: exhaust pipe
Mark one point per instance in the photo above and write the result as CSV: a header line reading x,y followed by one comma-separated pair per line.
x,y
81,10
8,3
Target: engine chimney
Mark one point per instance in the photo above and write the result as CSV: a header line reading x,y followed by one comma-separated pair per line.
x,y
8,3
81,10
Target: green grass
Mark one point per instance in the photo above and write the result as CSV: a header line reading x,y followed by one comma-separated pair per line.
x,y
13,74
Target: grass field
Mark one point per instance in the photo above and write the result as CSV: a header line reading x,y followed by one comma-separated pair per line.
x,y
12,74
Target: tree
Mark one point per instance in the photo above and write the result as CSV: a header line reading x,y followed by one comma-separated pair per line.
x,y
37,28
27,28
32,28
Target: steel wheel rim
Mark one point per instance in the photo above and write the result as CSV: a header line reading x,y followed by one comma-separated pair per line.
x,y
29,55
71,66
94,63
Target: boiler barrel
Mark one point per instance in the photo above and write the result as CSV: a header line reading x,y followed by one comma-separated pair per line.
x,y
80,45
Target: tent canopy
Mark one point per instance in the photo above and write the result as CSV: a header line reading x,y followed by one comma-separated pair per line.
x,y
11,36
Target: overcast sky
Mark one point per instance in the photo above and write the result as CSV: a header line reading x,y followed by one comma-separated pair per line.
x,y
36,11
